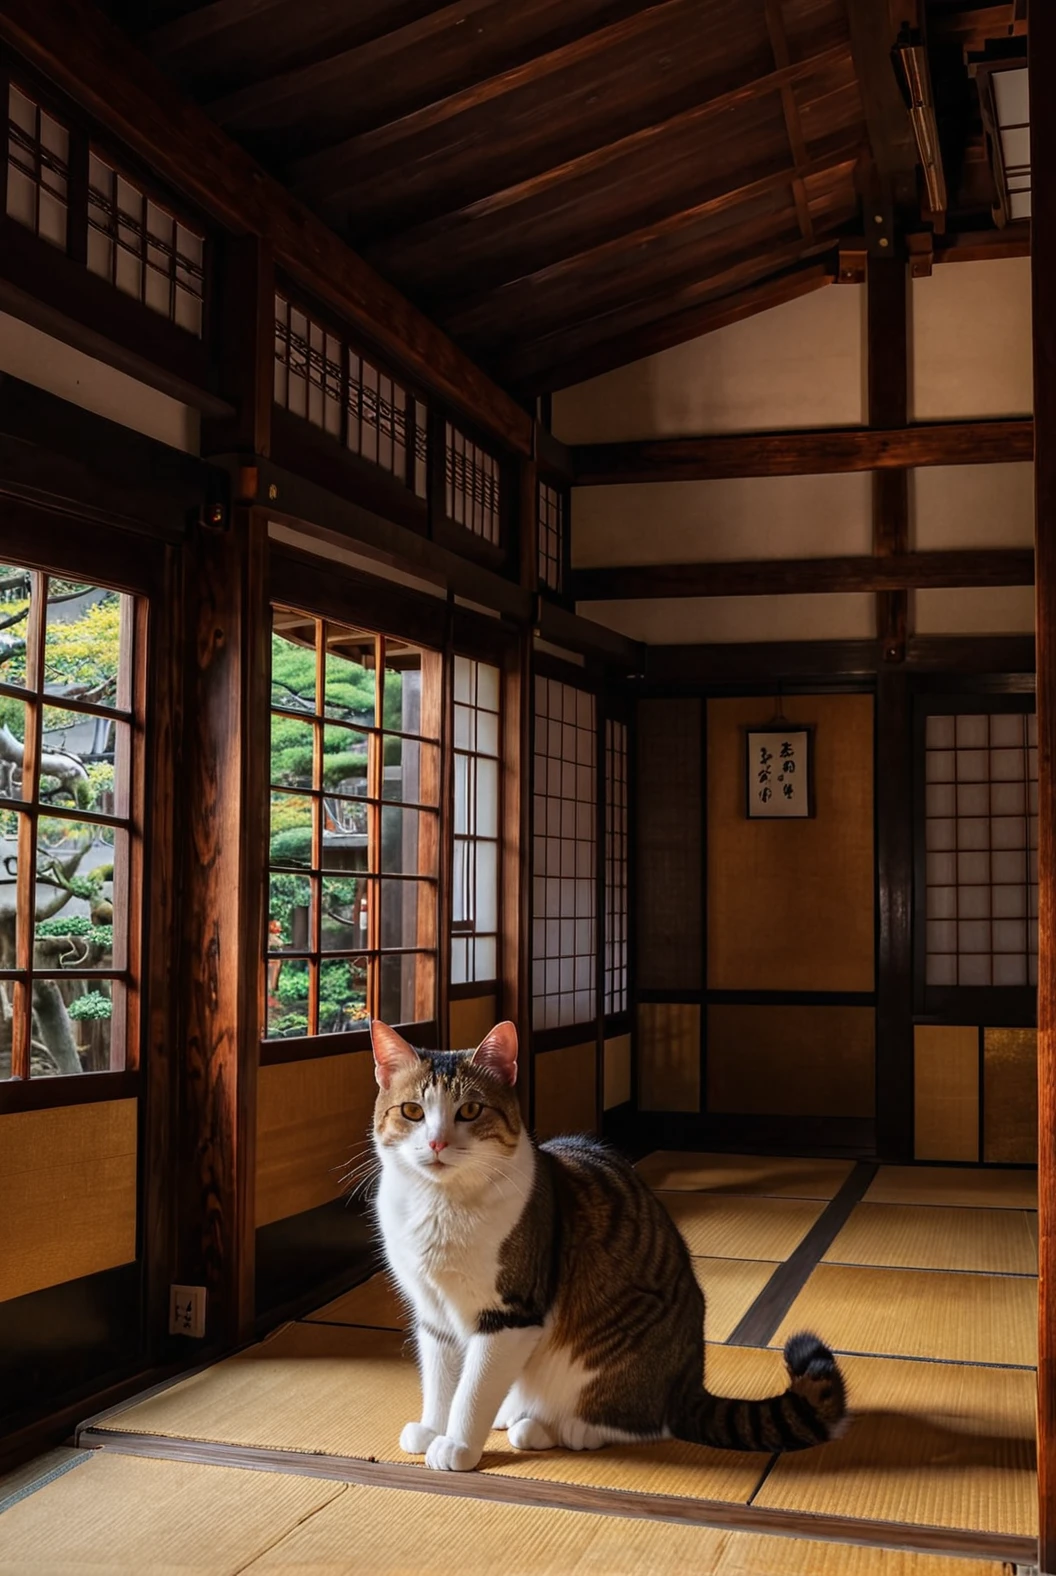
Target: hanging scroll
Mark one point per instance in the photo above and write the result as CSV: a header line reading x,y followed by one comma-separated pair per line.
x,y
779,776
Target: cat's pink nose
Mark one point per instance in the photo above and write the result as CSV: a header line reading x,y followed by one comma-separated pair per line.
x,y
437,1144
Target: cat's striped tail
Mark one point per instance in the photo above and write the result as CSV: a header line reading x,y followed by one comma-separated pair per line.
x,y
812,1410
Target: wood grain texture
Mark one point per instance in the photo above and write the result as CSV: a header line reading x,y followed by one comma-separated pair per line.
x,y
1010,1096
668,1056
668,855
790,904
68,1182
811,453
471,1017
946,1092
313,1120
894,876
791,1061
566,1091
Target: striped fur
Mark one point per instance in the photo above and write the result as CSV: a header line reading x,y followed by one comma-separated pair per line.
x,y
553,1294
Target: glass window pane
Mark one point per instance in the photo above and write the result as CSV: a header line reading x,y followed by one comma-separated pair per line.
x,y
292,749
408,987
346,834
343,995
408,914
409,841
345,917
80,896
411,771
84,640
346,760
12,746
84,762
290,831
288,989
73,1022
292,660
289,912
350,675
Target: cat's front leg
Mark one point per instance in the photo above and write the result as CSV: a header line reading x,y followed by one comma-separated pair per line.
x,y
440,1362
491,1365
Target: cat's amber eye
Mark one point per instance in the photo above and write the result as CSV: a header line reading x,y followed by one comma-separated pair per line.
x,y
470,1111
411,1111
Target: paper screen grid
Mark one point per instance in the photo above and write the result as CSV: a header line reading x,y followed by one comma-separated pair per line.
x,y
551,537
981,840
564,856
38,167
142,249
615,867
472,485
475,895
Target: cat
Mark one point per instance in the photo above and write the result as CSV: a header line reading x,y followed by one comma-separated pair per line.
x,y
553,1296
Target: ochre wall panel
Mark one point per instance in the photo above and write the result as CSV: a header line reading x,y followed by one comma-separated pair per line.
x,y
668,1056
946,1092
791,1061
471,1020
617,1071
566,1091
67,1194
1010,1096
669,908
313,1119
790,903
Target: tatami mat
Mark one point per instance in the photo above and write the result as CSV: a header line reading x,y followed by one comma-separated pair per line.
x,y
334,1390
919,1313
937,1444
761,1175
740,1228
980,1186
126,1516
375,1303
730,1287
906,1236
479,1539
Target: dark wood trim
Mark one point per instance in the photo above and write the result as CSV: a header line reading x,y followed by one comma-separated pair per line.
x,y
1042,61
45,1094
801,576
887,347
245,329
347,595
689,667
560,627
894,828
780,998
561,1496
760,1322
91,59
474,990
515,939
993,1007
554,457
734,1133
810,452
546,1040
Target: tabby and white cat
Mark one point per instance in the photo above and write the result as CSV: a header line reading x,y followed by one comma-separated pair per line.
x,y
552,1294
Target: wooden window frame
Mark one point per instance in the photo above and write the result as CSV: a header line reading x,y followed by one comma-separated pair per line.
x,y
560,593
994,1006
470,988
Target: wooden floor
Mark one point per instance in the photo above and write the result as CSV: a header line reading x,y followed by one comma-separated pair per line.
x,y
285,1457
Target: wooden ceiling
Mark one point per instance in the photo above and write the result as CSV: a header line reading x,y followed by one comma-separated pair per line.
x,y
565,185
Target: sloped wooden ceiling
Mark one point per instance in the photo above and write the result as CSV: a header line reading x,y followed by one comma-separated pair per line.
x,y
561,184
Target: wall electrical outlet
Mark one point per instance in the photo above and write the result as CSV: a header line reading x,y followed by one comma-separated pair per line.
x,y
187,1311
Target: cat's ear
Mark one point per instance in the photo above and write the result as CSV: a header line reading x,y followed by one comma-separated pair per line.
x,y
497,1052
392,1054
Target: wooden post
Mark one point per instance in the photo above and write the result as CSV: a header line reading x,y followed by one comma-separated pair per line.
x,y
515,982
1043,265
223,788
247,349
888,379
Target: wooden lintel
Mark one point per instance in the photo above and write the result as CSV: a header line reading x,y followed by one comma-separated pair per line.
x,y
802,576
818,452
561,627
72,42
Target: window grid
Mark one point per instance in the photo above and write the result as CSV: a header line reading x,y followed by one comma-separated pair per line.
x,y
38,168
615,867
981,839
320,379
472,486
142,249
475,887
551,537
564,853
355,829
66,793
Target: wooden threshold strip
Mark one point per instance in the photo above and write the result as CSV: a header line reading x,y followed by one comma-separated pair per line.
x,y
760,1322
1002,566
561,1496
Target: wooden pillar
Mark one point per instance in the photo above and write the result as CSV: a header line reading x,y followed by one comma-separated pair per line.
x,y
222,787
1043,269
888,384
515,980
246,349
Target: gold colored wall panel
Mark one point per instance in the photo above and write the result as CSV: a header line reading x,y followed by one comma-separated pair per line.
x,y
1010,1095
790,903
566,1083
471,1018
946,1092
313,1118
791,1061
67,1194
617,1071
668,1056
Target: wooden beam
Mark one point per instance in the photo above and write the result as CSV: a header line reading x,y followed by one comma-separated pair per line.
x,y
821,452
612,339
983,246
71,42
428,240
805,576
770,661
1042,64
775,27
887,345
503,306
886,116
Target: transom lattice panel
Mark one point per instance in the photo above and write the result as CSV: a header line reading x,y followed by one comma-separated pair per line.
x,y
475,896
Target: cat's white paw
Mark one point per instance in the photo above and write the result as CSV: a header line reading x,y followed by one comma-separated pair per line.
x,y
416,1439
578,1435
450,1455
529,1434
